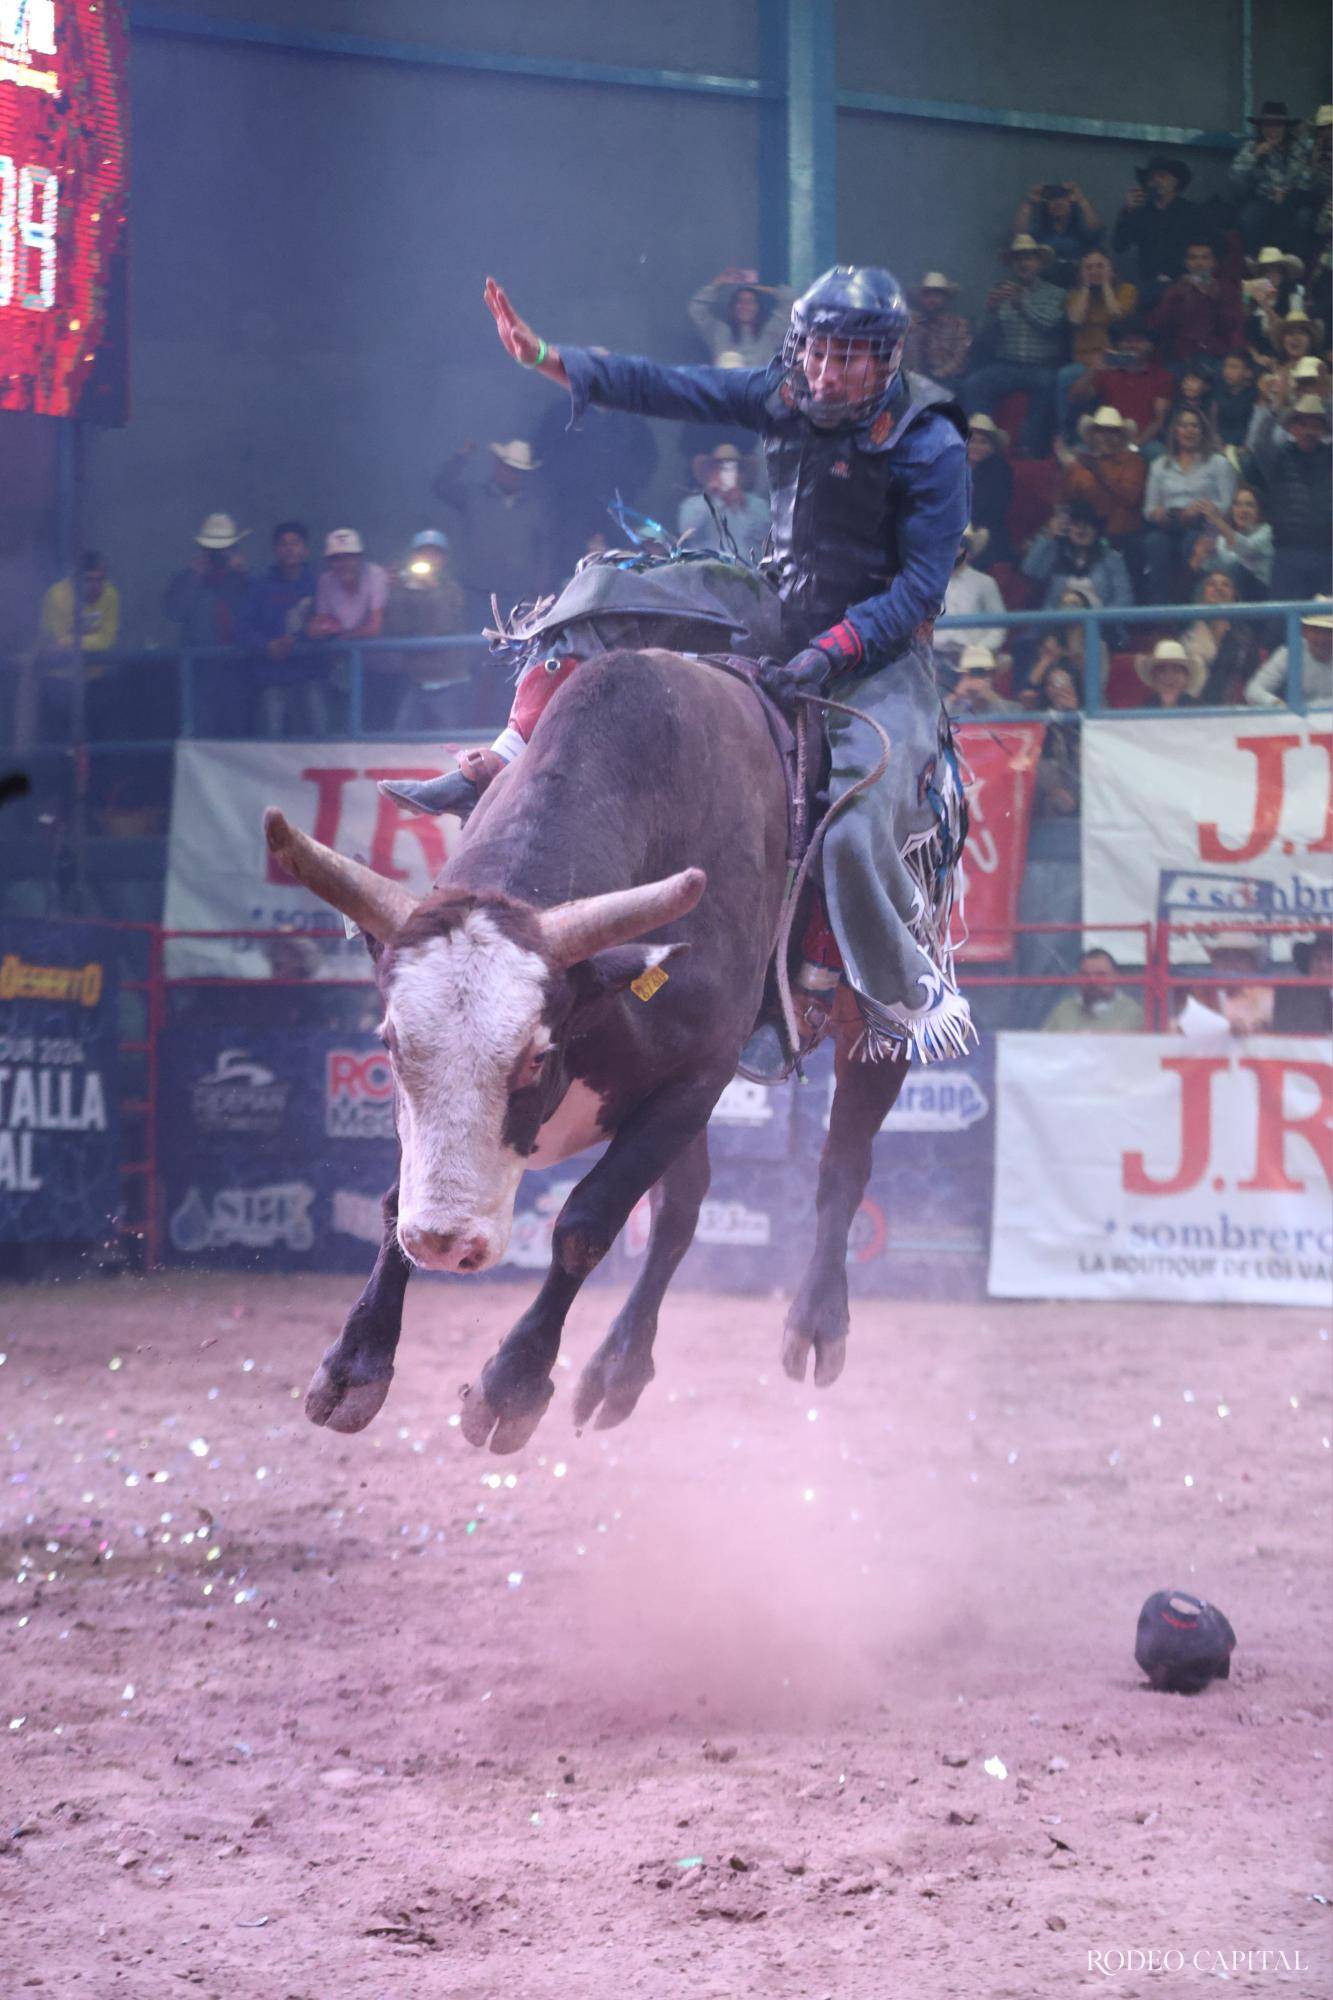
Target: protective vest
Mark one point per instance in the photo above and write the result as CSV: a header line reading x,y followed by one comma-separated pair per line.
x,y
836,498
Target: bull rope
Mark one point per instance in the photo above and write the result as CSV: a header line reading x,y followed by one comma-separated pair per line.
x,y
797,880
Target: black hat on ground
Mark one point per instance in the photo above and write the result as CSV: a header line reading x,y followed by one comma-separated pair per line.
x,y
1165,163
1183,1643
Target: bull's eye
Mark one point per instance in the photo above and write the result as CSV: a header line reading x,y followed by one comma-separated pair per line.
x,y
531,1068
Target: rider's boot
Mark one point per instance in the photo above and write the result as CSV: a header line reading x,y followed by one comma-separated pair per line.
x,y
766,1057
456,792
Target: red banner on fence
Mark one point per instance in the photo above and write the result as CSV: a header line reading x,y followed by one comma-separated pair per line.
x,y
999,765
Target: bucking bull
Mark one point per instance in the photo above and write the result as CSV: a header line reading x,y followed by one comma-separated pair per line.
x,y
586,968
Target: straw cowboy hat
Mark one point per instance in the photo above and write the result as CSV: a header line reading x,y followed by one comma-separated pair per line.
x,y
989,428
343,542
1321,621
1024,245
1308,369
1168,652
976,659
1323,116
1297,316
935,281
221,532
517,455
1269,257
1165,163
1309,406
1108,418
707,462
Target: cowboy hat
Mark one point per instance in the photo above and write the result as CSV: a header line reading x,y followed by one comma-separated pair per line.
x,y
1308,369
1297,316
989,428
1321,621
1024,245
1165,163
343,542
1170,652
1323,116
1270,255
1309,406
517,455
1108,418
977,659
1250,942
706,462
1272,111
221,532
935,281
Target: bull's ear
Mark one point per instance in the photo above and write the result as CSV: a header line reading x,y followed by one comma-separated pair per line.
x,y
640,966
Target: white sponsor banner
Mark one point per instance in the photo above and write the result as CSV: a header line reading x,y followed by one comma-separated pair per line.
x,y
220,876
1148,1167
1237,802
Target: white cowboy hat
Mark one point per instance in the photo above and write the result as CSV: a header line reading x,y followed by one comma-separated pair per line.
x,y
1323,116
343,542
517,455
977,660
1171,652
1297,316
975,540
221,532
1308,406
1308,369
1270,255
1023,243
991,429
1108,418
1247,941
935,281
1322,621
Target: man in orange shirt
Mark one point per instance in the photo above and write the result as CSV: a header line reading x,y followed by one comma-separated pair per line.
x,y
1108,475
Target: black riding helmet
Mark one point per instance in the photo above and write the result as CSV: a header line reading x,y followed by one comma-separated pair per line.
x,y
852,302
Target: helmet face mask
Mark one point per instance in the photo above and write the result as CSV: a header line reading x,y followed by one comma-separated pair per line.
x,y
844,346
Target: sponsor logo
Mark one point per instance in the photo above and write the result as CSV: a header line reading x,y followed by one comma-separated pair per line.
x,y
841,468
733,1223
254,1218
744,1103
1293,1098
1270,787
945,1101
357,1215
238,1095
20,979
868,1234
358,1096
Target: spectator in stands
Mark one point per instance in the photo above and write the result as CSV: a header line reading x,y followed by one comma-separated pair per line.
x,y
1096,307
1238,541
84,618
970,593
1132,380
1058,215
992,486
1233,400
1099,1007
1199,314
428,688
1292,466
1157,224
1268,687
1240,1006
722,476
1269,175
1319,214
351,593
290,683
742,322
1311,377
1191,473
1108,476
1224,652
1058,646
1170,677
1024,329
501,537
1307,1010
1057,781
939,339
1271,278
974,692
1073,548
207,602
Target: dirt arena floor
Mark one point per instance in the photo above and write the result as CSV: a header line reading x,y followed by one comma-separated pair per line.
x,y
774,1692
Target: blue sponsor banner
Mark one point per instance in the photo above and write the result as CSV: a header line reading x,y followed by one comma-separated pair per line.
x,y
59,1083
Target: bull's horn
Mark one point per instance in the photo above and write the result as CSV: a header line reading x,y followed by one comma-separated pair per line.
x,y
573,931
375,904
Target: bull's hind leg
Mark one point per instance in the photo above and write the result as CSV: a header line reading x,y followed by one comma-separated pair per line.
x,y
352,1380
505,1407
622,1367
818,1316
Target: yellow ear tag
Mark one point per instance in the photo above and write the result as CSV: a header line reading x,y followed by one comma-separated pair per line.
x,y
648,983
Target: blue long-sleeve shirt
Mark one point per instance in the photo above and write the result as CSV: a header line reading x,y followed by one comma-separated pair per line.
x,y
930,464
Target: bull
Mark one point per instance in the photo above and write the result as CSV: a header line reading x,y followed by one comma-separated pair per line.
x,y
567,981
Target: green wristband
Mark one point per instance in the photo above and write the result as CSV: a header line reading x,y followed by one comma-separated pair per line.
x,y
542,351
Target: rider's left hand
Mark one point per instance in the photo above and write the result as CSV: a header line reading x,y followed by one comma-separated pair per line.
x,y
806,674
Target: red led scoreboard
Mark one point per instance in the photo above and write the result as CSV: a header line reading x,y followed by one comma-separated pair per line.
x,y
63,186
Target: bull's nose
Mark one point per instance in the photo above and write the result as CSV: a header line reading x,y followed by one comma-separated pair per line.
x,y
444,1249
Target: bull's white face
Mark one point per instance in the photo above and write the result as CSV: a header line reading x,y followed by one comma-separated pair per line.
x,y
463,1022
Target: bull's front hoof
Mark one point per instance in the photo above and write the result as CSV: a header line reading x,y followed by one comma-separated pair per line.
x,y
341,1405
830,1356
504,1430
609,1390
